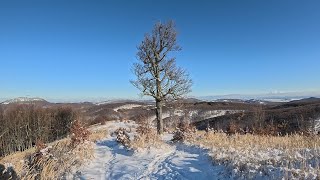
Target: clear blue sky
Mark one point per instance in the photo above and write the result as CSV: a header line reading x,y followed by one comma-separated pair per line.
x,y
85,48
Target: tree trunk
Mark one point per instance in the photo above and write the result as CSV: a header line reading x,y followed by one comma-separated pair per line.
x,y
159,116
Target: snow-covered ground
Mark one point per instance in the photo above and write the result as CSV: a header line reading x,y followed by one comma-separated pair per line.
x,y
199,115
127,106
214,113
207,160
170,161
315,126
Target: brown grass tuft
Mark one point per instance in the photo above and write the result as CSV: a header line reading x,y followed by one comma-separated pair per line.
x,y
98,135
146,137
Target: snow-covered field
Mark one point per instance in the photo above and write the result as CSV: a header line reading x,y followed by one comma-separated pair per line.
x,y
213,156
170,161
264,157
212,113
127,106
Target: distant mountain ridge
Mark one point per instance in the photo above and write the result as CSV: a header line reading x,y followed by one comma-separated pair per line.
x,y
23,100
271,97
244,98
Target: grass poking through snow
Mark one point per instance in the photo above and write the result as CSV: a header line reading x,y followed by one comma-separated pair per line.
x,y
254,156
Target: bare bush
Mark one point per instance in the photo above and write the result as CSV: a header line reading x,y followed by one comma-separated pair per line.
x,y
123,137
79,133
146,137
143,130
99,120
184,132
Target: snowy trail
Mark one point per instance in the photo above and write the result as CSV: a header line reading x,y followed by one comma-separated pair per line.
x,y
175,161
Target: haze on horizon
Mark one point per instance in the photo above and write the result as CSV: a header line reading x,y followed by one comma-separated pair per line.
x,y
83,49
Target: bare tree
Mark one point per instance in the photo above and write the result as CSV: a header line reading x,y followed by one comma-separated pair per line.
x,y
157,73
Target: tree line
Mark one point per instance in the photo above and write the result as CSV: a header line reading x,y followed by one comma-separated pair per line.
x,y
21,126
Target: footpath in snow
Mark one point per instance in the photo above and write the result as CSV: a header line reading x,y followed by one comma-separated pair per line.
x,y
175,161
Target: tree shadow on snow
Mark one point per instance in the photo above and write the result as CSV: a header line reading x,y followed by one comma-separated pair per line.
x,y
191,162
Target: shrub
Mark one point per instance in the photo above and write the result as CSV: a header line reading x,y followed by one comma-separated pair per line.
x,y
184,132
146,137
99,120
40,145
232,128
123,137
144,130
79,133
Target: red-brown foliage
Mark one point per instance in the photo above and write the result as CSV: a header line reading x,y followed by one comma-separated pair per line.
x,y
79,133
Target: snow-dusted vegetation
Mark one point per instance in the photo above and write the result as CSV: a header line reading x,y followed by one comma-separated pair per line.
x,y
165,160
127,106
263,157
146,155
204,155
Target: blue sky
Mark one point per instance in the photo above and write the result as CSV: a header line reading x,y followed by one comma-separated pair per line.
x,y
78,49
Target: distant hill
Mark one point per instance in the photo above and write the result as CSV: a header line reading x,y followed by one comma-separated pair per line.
x,y
24,100
286,117
299,103
273,97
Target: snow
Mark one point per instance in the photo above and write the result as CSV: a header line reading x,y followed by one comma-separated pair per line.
x,y
217,113
199,115
169,161
186,161
113,161
281,99
127,106
21,100
317,126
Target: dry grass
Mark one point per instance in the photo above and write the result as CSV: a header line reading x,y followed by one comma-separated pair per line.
x,y
291,142
250,156
63,159
17,159
98,135
184,132
146,140
144,137
60,159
